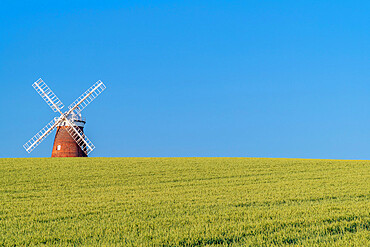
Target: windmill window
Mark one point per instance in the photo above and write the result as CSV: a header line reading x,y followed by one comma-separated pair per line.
x,y
58,147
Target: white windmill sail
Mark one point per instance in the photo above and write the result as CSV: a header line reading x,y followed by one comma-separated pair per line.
x,y
41,135
87,97
80,138
47,94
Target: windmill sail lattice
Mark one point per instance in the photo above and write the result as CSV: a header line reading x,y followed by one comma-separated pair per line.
x,y
87,97
47,94
40,136
75,143
80,138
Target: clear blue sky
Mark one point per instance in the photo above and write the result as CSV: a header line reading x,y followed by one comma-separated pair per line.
x,y
192,78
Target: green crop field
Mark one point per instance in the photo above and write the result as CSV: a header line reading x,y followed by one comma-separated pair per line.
x,y
184,202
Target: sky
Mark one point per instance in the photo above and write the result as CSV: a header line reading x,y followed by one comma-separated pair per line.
x,y
192,78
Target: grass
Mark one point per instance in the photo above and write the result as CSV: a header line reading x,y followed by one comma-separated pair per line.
x,y
184,202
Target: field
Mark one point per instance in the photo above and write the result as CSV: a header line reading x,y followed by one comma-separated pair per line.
x,y
184,202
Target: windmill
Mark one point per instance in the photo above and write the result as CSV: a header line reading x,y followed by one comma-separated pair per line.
x,y
70,140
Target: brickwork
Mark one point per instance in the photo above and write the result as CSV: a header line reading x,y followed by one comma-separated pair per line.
x,y
65,146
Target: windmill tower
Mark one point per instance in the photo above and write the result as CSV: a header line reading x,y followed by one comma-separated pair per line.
x,y
70,140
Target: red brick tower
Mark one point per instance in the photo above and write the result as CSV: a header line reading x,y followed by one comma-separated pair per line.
x,y
65,145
